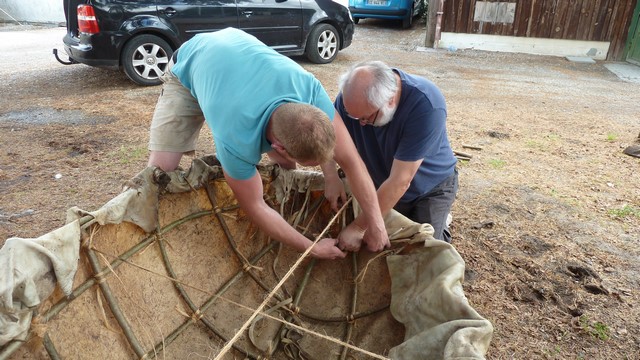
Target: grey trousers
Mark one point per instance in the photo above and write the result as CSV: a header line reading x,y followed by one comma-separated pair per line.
x,y
434,207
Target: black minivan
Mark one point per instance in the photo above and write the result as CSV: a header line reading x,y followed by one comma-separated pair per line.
x,y
139,36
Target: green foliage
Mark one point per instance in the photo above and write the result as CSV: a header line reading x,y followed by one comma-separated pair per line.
x,y
601,331
611,137
497,163
552,353
544,143
625,211
424,13
534,144
129,154
596,329
553,137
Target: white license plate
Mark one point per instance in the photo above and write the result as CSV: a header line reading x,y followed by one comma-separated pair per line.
x,y
376,2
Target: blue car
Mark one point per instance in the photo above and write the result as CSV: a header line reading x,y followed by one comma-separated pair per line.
x,y
404,10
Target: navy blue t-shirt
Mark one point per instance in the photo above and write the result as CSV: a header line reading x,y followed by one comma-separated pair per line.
x,y
417,131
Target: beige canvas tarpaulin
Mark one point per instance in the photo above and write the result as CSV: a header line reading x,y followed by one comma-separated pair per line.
x,y
29,269
427,297
426,282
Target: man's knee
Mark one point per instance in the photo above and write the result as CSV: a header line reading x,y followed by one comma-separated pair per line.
x,y
165,160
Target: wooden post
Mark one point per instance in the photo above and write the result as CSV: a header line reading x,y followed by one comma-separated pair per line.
x,y
432,10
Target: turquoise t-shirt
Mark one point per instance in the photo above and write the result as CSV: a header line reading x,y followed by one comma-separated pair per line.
x,y
238,82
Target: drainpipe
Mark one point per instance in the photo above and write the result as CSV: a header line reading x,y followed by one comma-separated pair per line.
x,y
439,13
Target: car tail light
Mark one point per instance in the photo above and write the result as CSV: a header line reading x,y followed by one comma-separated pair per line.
x,y
87,22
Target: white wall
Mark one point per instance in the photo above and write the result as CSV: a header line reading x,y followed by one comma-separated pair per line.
x,y
596,50
37,11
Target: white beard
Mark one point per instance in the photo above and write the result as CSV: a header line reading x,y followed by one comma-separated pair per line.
x,y
386,116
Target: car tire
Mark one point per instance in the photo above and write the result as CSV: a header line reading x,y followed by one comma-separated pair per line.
x,y
356,20
408,21
322,44
145,59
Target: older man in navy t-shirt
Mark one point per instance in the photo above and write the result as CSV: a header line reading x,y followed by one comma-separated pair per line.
x,y
398,124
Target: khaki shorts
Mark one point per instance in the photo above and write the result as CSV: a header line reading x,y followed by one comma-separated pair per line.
x,y
177,119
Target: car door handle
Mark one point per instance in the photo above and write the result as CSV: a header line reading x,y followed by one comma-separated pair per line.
x,y
169,11
247,13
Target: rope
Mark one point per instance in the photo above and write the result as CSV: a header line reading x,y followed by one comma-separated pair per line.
x,y
308,331
258,311
235,338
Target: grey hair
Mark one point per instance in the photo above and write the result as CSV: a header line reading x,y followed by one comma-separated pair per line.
x,y
383,85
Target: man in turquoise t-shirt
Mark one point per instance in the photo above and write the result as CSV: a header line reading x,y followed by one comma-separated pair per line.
x,y
257,101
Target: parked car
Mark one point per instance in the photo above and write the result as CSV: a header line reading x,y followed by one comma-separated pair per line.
x,y
139,37
404,10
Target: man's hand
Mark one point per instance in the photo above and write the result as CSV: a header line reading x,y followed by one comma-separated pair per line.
x,y
350,238
376,238
334,192
327,249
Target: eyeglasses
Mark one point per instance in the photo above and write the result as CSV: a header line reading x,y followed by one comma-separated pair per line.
x,y
368,120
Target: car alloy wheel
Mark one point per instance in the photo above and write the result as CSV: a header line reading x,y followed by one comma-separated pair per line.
x,y
322,44
145,59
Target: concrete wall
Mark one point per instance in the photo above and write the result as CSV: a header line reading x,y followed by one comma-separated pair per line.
x,y
38,11
596,50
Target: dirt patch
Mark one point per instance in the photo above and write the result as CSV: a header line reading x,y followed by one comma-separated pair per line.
x,y
548,213
41,116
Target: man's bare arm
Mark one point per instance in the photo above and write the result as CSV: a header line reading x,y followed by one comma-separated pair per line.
x,y
362,187
249,194
392,189
333,186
